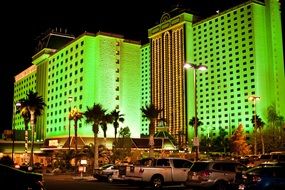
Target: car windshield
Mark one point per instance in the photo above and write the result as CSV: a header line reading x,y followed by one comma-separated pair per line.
x,y
265,156
199,166
264,171
106,166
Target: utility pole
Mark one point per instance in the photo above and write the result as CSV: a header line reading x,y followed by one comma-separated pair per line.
x,y
254,98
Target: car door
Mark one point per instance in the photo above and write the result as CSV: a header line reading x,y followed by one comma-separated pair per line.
x,y
230,170
180,169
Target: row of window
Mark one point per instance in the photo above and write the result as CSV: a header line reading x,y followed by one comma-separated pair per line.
x,y
67,51
229,17
64,128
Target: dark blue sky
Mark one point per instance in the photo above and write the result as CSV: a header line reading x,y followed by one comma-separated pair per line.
x,y
21,26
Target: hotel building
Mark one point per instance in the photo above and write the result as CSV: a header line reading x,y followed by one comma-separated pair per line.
x,y
242,48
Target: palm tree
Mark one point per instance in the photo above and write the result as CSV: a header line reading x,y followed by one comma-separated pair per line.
x,y
151,113
192,123
35,104
259,126
106,119
275,124
95,116
25,114
75,115
117,117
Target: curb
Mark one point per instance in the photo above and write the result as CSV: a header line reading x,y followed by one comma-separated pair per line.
x,y
87,178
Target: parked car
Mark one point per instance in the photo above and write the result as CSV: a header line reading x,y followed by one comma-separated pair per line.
x,y
16,179
158,172
217,174
263,178
272,163
277,156
262,158
106,172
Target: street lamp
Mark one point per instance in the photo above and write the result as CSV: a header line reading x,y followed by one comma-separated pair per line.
x,y
69,109
254,98
196,140
15,106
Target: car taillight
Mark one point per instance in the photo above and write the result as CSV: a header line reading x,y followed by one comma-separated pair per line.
x,y
256,179
244,176
205,173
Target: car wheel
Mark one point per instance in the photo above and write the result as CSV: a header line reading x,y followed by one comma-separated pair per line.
x,y
157,182
110,178
38,187
221,185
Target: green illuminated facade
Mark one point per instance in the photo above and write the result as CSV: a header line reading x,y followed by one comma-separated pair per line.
x,y
91,69
242,48
146,84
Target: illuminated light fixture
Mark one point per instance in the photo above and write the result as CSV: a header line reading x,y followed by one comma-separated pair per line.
x,y
196,140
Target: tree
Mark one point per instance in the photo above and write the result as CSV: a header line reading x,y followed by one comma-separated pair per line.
x,y
75,115
35,104
122,147
107,118
117,117
7,160
25,114
221,140
151,113
63,158
274,134
192,122
238,142
95,116
259,127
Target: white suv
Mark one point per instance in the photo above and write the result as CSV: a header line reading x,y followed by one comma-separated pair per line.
x,y
219,174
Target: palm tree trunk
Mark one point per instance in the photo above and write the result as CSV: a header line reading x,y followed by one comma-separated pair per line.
x,y
96,152
255,139
116,133
75,142
262,141
151,144
26,145
151,139
33,131
75,136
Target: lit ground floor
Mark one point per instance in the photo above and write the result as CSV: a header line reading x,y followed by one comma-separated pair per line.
x,y
44,151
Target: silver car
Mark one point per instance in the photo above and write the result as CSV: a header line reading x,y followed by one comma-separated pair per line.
x,y
217,174
106,172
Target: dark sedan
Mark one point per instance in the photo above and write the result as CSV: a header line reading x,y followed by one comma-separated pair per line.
x,y
263,178
16,179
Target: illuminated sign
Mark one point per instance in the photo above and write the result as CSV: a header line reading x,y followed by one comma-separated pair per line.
x,y
53,143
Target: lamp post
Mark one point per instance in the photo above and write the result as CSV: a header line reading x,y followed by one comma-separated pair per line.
x,y
254,98
196,140
15,106
69,109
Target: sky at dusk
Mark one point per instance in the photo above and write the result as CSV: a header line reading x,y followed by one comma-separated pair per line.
x,y
21,27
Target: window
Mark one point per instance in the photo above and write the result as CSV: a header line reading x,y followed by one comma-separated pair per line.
x,y
181,163
163,162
